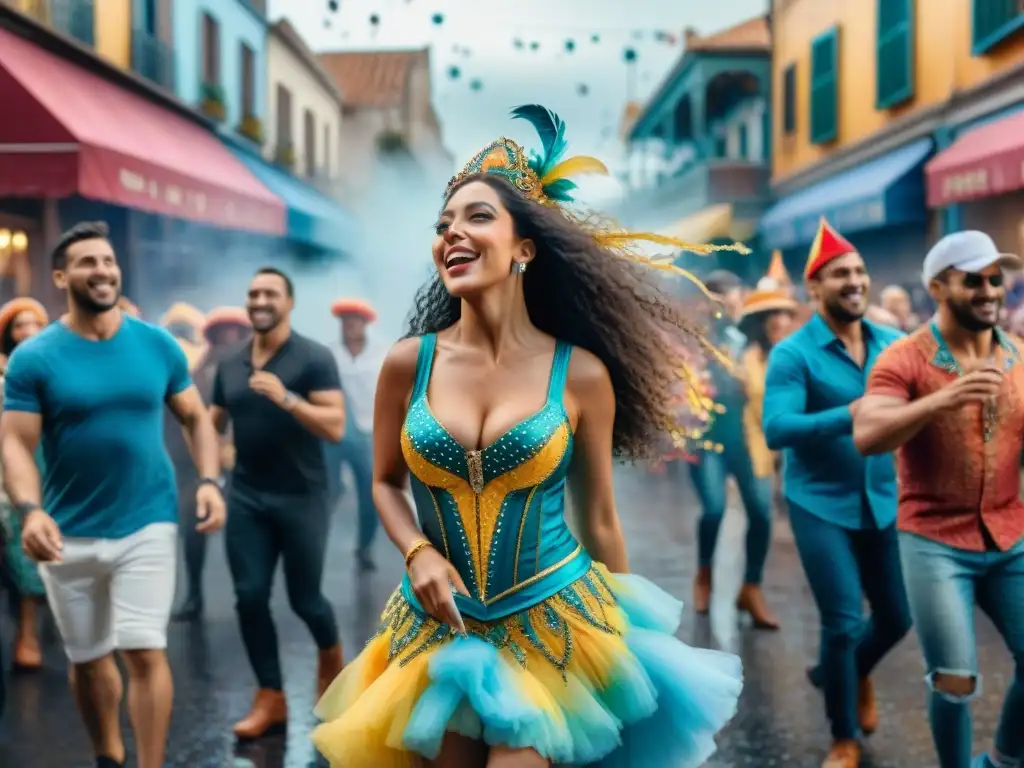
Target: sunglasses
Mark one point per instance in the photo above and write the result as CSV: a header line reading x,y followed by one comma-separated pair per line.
x,y
973,280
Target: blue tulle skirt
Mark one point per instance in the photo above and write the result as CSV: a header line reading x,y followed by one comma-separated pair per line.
x,y
593,676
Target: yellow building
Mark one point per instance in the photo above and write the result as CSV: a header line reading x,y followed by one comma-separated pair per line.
x,y
865,93
104,25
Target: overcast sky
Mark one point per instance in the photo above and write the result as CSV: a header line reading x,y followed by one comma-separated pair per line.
x,y
479,37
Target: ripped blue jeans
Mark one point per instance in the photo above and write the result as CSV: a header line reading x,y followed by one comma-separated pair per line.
x,y
944,585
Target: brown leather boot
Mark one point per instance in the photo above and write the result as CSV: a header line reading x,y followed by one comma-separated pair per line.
x,y
751,600
702,590
867,712
328,667
269,713
845,753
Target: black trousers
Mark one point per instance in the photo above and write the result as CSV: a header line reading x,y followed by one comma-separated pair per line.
x,y
261,530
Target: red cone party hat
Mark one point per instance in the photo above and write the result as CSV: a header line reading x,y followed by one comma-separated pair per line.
x,y
828,245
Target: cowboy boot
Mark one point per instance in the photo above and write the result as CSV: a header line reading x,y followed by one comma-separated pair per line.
x,y
751,600
269,713
702,590
867,711
329,666
845,753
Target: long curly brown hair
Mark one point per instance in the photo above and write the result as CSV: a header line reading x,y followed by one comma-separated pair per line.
x,y
584,294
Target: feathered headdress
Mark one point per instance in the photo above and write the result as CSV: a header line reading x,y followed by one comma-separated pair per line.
x,y
545,177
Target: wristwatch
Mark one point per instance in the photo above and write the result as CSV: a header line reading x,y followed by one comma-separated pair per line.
x,y
25,508
290,398
214,481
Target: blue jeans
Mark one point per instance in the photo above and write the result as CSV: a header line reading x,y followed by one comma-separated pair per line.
x,y
944,584
709,476
844,566
356,450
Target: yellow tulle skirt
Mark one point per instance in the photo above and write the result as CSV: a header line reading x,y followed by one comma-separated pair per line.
x,y
590,676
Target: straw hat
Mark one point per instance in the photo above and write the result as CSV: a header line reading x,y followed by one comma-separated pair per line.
x,y
183,314
767,301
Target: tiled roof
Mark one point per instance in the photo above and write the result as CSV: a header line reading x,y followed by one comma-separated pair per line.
x,y
753,34
375,79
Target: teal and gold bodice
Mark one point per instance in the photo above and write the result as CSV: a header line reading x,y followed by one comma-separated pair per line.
x,y
498,514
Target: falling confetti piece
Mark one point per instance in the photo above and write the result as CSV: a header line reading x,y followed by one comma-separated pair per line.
x,y
374,19
629,55
332,6
583,89
476,85
438,19
517,44
534,46
595,38
454,73
570,46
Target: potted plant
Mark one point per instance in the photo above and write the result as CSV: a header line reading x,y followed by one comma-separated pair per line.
x,y
284,155
252,128
391,142
211,101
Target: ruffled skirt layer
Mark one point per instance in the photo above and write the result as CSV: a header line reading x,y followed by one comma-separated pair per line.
x,y
591,676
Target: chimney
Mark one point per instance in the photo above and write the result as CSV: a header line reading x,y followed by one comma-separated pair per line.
x,y
689,35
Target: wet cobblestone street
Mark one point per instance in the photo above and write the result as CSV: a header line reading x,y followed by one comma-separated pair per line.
x,y
781,719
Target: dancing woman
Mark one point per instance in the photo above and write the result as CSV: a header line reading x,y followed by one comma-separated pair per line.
x,y
21,319
534,356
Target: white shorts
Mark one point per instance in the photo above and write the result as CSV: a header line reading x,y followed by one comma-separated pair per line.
x,y
113,594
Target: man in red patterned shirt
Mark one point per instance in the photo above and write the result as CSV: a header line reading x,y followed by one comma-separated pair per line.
x,y
949,399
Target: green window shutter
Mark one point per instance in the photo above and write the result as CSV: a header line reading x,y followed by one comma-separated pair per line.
x,y
992,21
825,87
894,81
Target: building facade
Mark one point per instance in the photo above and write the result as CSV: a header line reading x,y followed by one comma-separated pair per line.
x,y
304,128
867,96
220,62
699,149
388,113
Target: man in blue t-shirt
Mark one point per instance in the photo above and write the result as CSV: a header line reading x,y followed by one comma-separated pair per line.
x,y
92,389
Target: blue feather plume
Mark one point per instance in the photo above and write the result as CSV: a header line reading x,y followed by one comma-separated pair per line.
x,y
551,129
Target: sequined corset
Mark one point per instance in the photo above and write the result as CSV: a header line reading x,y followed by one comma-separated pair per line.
x,y
498,513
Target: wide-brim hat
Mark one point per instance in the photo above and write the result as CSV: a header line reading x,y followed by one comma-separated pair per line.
x,y
353,307
194,353
181,313
221,317
15,307
758,302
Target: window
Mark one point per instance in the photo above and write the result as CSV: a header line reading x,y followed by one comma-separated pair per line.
x,y
211,50
993,21
789,100
309,125
744,142
248,82
825,87
151,19
284,117
894,77
327,150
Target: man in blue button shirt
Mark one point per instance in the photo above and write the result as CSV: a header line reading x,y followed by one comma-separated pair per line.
x,y
842,506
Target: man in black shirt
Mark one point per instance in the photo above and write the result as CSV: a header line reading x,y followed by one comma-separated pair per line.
x,y
282,396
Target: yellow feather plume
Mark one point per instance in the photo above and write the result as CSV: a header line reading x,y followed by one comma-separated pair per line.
x,y
574,166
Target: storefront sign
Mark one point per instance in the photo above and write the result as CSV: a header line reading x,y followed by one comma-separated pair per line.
x,y
865,214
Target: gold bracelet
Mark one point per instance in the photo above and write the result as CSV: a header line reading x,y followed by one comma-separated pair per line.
x,y
418,546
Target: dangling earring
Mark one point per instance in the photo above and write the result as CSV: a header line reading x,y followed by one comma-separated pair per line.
x,y
521,267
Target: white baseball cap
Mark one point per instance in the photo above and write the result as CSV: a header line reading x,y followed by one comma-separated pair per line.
x,y
969,251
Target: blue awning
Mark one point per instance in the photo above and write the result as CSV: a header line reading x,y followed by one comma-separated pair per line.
x,y
313,218
885,191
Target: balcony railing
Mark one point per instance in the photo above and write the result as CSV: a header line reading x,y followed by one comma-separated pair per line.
x,y
153,59
75,18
